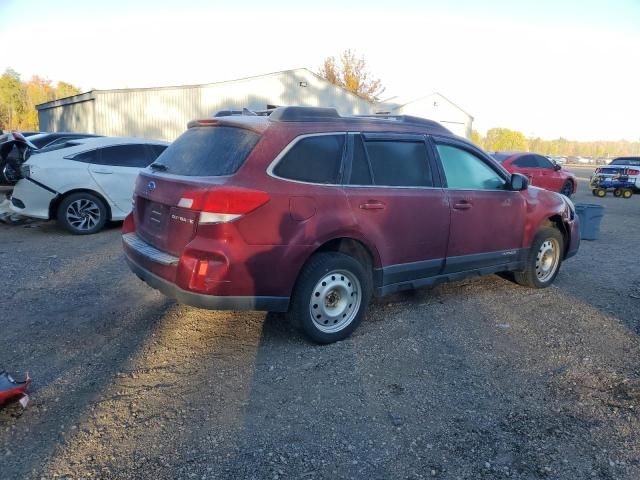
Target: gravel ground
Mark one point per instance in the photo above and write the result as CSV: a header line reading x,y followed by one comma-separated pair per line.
x,y
480,379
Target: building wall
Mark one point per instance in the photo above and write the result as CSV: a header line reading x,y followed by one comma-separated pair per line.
x,y
74,117
163,113
435,107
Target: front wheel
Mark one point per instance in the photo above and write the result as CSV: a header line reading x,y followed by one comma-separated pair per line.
x,y
567,188
82,213
330,297
544,259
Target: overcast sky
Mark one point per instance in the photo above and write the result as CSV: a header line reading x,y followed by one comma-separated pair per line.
x,y
547,68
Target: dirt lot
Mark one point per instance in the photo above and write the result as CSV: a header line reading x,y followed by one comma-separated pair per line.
x,y
480,379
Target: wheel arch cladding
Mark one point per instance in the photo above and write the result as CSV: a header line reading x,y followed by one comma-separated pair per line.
x,y
55,203
555,221
349,246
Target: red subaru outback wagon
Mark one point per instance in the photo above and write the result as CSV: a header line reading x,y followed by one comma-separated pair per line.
x,y
307,212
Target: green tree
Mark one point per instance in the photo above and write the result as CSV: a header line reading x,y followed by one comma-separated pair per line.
x,y
11,99
352,74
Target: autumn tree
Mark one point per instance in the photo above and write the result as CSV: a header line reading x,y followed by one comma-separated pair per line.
x,y
352,74
18,99
477,138
503,139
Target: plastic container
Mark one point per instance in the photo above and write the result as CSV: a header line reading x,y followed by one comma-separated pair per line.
x,y
590,216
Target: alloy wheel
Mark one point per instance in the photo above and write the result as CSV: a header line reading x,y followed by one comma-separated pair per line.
x,y
83,214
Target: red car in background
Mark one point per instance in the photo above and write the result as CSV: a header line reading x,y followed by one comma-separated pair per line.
x,y
541,171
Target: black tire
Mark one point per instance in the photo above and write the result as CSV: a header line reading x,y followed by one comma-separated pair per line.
x,y
339,267
8,175
617,192
594,192
601,192
94,213
627,193
529,277
567,188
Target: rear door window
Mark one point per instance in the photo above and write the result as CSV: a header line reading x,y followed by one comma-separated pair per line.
x,y
208,151
315,159
399,163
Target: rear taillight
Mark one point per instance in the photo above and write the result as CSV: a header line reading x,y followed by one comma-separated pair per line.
x,y
223,204
129,224
633,172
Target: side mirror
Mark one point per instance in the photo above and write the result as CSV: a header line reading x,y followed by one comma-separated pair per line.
x,y
557,167
518,182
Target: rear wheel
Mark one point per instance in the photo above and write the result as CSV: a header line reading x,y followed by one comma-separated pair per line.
x,y
82,213
330,297
617,192
544,260
626,193
567,188
601,192
594,192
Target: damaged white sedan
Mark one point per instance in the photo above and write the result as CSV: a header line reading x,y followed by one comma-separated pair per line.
x,y
83,183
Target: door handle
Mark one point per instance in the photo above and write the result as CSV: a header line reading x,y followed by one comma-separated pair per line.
x,y
463,205
104,172
372,205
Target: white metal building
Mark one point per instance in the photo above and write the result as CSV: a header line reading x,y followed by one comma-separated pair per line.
x,y
434,106
163,112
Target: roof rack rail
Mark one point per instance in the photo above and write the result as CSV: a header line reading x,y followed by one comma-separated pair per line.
x,y
304,114
244,111
403,119
322,114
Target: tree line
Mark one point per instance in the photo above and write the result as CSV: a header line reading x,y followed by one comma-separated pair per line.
x,y
351,73
18,99
504,139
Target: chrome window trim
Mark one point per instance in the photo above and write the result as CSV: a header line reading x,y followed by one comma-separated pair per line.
x,y
289,146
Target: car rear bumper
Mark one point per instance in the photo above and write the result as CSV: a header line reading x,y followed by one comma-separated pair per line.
x,y
142,258
211,302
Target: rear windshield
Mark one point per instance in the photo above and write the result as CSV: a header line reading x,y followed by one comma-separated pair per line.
x,y
208,151
626,161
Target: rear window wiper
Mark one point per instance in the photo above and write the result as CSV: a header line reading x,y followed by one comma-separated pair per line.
x,y
158,166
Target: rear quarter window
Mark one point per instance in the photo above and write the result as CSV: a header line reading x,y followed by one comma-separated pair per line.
x,y
208,151
314,159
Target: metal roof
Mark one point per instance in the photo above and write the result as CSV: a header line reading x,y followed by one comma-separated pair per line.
x,y
90,95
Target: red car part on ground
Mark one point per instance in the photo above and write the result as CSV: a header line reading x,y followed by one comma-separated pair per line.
x,y
10,390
